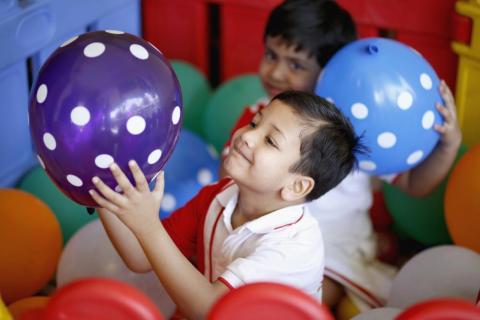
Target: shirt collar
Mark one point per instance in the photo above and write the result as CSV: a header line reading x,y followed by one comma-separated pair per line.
x,y
267,223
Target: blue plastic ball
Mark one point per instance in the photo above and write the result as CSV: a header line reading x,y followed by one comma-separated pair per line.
x,y
388,91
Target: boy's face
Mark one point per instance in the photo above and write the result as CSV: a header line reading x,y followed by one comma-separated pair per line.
x,y
282,68
262,152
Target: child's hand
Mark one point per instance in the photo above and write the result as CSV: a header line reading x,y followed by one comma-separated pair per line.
x,y
451,135
137,207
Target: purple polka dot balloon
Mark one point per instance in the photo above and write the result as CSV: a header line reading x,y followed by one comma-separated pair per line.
x,y
103,97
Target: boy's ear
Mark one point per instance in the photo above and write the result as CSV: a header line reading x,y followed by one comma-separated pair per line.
x,y
298,188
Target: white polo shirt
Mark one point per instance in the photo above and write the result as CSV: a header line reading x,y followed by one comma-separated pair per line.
x,y
284,246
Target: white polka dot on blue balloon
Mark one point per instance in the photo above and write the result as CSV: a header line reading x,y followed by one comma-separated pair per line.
x,y
415,157
404,100
204,177
74,180
386,140
428,119
154,156
359,110
42,92
80,115
212,151
139,52
168,202
49,141
94,49
136,125
426,81
176,115
103,161
226,151
367,165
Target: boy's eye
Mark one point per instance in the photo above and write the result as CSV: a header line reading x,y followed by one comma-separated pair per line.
x,y
269,141
296,66
269,55
252,124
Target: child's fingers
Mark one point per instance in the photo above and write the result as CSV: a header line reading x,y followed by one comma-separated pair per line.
x,y
108,193
140,181
447,96
122,179
440,129
445,112
102,202
160,183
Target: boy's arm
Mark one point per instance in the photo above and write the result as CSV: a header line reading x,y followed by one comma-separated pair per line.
x,y
124,241
138,209
423,179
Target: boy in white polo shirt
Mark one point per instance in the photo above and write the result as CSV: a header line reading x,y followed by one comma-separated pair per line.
x,y
252,227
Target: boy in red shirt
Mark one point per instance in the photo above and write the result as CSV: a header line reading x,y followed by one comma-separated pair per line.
x,y
251,227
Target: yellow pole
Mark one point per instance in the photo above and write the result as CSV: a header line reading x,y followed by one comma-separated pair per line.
x,y
468,78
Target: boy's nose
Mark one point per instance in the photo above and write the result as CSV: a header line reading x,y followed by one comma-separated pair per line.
x,y
248,138
277,72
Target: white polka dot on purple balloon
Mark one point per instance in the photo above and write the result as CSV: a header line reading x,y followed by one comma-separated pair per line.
x,y
139,52
386,140
404,100
66,43
94,49
114,31
415,157
428,119
168,202
204,177
103,161
154,156
426,81
49,141
176,115
118,189
80,115
42,92
367,165
359,110
74,180
136,125
41,161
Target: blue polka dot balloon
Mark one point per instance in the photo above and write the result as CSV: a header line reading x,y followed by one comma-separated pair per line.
x,y
388,91
193,165
103,97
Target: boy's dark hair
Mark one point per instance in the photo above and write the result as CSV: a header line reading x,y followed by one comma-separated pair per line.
x,y
328,151
321,27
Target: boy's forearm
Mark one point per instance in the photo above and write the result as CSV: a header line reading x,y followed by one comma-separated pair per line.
x,y
424,178
125,242
190,290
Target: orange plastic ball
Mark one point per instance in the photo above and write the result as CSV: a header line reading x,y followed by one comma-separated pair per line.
x,y
462,201
30,244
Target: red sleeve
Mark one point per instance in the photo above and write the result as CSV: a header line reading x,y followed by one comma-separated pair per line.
x,y
244,119
185,225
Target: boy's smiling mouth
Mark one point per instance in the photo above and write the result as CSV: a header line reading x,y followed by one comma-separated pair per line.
x,y
238,150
